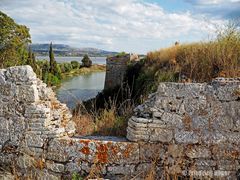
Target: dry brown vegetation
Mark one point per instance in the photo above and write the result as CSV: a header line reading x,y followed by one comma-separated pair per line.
x,y
111,120
201,61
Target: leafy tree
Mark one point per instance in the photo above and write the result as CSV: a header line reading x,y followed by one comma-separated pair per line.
x,y
75,64
86,61
14,39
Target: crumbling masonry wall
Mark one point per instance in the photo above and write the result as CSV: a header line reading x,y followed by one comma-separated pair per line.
x,y
198,123
182,130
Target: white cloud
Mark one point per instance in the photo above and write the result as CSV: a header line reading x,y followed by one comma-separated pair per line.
x,y
227,9
212,2
128,25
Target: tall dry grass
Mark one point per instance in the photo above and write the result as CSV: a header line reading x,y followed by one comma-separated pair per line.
x,y
108,121
201,61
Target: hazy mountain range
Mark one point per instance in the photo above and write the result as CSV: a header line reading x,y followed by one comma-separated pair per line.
x,y
66,50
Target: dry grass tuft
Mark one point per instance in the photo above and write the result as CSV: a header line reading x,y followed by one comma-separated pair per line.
x,y
109,121
84,124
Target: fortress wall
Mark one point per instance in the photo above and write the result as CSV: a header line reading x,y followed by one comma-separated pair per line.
x,y
183,129
199,122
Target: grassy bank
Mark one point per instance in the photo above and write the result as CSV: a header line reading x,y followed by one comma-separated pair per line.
x,y
84,70
202,61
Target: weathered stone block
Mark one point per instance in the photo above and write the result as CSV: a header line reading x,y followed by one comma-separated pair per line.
x,y
171,120
55,167
4,136
200,122
198,152
230,119
73,167
33,151
6,90
214,137
135,137
227,92
37,111
149,152
4,130
141,120
139,131
186,137
161,135
228,165
17,130
62,149
122,169
25,161
35,140
136,125
21,74
180,90
28,94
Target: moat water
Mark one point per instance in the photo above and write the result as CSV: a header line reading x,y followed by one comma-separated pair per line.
x,y
76,89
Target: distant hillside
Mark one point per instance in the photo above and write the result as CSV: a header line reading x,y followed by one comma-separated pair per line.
x,y
66,50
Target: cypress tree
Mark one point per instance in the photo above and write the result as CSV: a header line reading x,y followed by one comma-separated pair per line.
x,y
52,60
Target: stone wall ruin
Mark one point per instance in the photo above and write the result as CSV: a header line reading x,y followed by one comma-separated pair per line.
x,y
182,130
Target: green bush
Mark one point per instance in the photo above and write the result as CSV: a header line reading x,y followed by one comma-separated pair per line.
x,y
50,79
86,61
76,176
65,67
75,64
121,54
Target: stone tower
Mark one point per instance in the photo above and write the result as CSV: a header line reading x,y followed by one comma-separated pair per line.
x,y
115,71
116,68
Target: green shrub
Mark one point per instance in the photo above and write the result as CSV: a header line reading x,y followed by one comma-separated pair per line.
x,y
121,54
66,67
86,61
75,64
76,176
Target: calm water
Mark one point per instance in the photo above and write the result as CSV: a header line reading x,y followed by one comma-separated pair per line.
x,y
95,60
80,88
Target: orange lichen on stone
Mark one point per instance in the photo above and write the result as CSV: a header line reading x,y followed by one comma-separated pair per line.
x,y
102,153
127,151
85,150
85,141
114,150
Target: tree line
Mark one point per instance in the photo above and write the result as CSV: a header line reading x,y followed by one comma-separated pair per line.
x,y
15,50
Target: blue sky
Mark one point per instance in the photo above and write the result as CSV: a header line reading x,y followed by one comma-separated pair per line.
x,y
121,25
